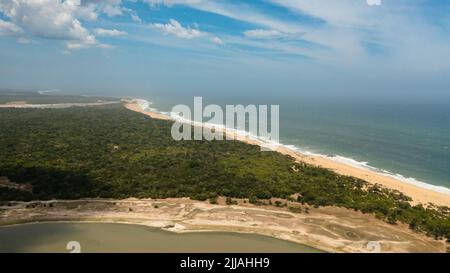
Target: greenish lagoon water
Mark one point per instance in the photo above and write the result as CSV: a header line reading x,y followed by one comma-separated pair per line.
x,y
104,237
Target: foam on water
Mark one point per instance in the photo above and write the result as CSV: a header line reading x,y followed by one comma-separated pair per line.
x,y
365,166
43,92
145,106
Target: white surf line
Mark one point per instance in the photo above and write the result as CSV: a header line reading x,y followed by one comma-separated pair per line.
x,y
365,166
43,92
145,106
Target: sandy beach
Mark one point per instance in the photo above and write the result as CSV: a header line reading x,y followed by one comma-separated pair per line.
x,y
330,228
418,194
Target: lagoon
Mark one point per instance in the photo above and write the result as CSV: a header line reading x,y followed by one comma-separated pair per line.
x,y
106,237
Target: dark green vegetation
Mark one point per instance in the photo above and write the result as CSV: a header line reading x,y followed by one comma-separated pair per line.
x,y
112,152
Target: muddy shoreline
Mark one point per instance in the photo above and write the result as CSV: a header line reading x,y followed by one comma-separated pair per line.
x,y
329,229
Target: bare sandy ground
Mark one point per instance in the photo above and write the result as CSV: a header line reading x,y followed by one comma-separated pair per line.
x,y
418,194
330,228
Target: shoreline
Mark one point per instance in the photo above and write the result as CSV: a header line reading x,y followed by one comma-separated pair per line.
x,y
174,228
329,229
419,194
152,228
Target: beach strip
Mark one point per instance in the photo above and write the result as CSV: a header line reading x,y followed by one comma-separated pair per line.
x,y
419,195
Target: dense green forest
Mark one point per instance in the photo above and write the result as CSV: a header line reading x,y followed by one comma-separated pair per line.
x,y
109,151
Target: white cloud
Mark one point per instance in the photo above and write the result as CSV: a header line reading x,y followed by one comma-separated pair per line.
x,y
229,9
109,32
75,45
173,27
245,13
172,2
56,19
263,33
272,34
345,30
9,29
217,40
135,18
109,7
399,28
133,15
47,18
374,2
23,40
344,13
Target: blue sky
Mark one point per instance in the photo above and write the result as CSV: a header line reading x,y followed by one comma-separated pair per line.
x,y
343,47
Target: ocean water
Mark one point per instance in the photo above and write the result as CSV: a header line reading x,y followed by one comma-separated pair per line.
x,y
405,138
